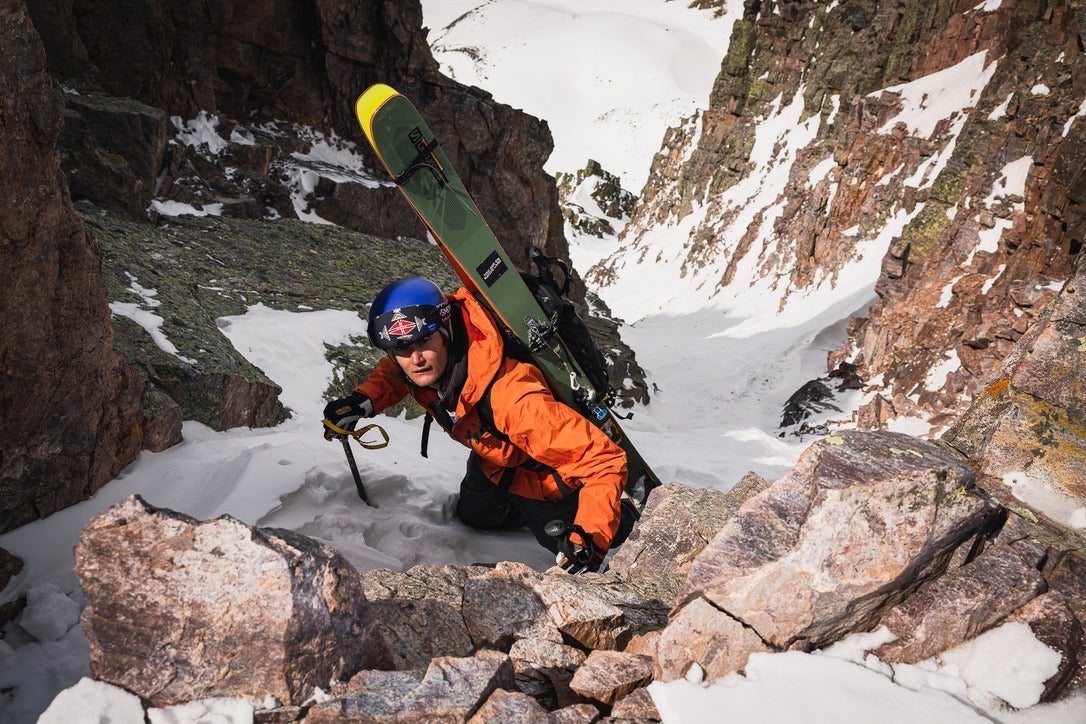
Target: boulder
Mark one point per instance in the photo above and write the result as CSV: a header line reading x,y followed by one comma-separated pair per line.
x,y
544,667
860,522
574,714
636,706
112,151
499,605
581,613
607,676
380,694
509,706
415,615
451,690
179,610
702,635
407,634
961,604
676,525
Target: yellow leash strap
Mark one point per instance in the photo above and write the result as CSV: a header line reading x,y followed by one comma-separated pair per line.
x,y
357,434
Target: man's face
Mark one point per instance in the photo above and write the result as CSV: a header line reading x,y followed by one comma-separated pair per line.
x,y
424,361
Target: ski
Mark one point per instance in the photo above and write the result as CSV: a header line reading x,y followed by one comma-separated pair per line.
x,y
420,169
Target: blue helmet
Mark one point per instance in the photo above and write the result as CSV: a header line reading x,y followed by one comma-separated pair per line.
x,y
405,312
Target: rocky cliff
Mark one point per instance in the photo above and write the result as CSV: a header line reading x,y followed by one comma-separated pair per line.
x,y
70,406
100,97
941,140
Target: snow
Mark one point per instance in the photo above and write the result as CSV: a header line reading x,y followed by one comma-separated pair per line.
x,y
151,322
1012,180
626,70
1034,488
941,95
177,208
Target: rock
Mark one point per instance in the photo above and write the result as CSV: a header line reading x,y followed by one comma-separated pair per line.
x,y
499,605
701,634
579,613
451,690
574,714
813,398
162,420
960,605
1067,575
54,460
675,527
112,151
407,634
637,706
544,667
607,676
646,643
612,202
509,706
379,694
415,615
850,531
179,610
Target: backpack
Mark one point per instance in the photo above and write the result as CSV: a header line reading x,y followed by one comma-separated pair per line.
x,y
563,320
566,323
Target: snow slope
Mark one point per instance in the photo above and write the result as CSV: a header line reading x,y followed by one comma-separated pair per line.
x,y
625,70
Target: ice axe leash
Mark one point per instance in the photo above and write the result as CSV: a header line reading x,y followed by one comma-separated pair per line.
x,y
344,436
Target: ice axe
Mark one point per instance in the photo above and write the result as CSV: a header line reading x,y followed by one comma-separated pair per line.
x,y
344,436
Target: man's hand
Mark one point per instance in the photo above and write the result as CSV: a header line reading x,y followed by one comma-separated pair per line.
x,y
578,560
345,412
574,557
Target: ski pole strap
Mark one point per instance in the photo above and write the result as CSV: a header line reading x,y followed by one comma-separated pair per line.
x,y
357,434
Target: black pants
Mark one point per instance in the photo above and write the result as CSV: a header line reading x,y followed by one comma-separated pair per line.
x,y
484,505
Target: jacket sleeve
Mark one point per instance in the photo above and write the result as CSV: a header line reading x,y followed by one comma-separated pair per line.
x,y
385,386
560,437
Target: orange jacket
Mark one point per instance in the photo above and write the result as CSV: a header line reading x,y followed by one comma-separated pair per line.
x,y
539,427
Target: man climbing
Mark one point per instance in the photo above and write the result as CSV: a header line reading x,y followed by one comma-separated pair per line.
x,y
533,460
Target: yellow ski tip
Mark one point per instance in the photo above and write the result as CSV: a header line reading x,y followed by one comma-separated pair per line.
x,y
369,102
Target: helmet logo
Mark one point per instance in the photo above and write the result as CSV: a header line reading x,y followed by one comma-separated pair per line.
x,y
401,326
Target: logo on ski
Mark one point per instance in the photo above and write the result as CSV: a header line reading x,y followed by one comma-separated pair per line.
x,y
492,268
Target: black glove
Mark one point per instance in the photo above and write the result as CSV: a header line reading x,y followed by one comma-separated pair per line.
x,y
574,558
345,412
579,560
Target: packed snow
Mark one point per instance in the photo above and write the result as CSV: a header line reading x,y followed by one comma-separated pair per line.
x,y
720,377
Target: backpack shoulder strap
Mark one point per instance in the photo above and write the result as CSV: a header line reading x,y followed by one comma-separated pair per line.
x,y
486,415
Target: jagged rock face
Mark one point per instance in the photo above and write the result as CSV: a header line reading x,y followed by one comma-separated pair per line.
x,y
306,63
851,530
977,219
1031,424
71,408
